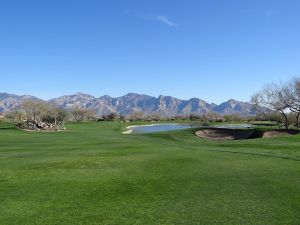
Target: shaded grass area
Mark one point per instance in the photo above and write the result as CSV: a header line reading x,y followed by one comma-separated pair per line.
x,y
92,174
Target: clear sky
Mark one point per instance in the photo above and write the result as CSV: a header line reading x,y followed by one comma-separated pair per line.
x,y
211,49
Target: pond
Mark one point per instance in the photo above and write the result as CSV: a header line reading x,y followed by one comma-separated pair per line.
x,y
153,128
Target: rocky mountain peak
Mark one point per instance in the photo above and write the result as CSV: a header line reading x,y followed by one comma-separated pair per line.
x,y
132,102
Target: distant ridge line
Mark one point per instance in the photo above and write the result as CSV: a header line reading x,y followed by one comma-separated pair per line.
x,y
133,102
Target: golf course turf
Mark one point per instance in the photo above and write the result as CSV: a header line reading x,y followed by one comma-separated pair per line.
x,y
93,174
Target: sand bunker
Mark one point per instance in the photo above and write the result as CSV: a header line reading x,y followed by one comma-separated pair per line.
x,y
276,133
224,134
219,134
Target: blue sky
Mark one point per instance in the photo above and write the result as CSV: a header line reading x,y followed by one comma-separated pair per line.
x,y
212,49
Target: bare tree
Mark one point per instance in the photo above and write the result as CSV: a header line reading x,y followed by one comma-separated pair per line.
x,y
55,115
34,110
155,117
137,115
15,116
112,116
81,115
259,106
291,92
273,99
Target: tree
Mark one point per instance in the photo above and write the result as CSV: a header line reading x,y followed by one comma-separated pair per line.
x,y
16,116
122,117
272,99
233,118
135,116
34,109
291,91
82,115
112,116
155,117
194,117
55,115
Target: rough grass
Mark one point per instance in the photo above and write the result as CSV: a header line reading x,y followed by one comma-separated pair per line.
x,y
92,174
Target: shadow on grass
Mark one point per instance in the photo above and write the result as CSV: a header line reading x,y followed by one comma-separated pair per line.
x,y
8,128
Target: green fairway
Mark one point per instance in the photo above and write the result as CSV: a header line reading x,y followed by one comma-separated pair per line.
x,y
92,174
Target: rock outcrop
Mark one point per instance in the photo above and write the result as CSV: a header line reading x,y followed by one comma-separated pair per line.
x,y
40,126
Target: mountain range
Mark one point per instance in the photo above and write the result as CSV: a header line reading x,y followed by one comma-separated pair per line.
x,y
127,104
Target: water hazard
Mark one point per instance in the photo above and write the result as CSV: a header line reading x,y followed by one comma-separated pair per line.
x,y
153,128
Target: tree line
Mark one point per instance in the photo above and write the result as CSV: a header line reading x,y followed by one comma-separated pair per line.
x,y
40,111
